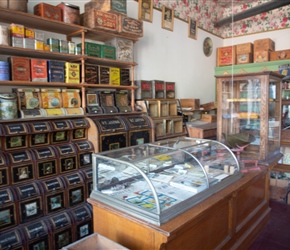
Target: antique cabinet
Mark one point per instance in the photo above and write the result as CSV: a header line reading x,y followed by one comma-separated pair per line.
x,y
285,126
249,114
156,182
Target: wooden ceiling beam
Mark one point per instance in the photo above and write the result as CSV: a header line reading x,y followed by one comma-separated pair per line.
x,y
252,12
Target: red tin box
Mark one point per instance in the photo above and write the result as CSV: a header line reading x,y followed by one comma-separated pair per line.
x,y
70,13
48,11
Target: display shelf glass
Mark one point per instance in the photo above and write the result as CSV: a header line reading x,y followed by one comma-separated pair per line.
x,y
158,181
249,118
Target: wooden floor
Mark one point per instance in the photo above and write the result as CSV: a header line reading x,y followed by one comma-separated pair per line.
x,y
276,234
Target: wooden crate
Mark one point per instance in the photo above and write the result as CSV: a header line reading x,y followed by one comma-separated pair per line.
x,y
264,44
226,56
279,55
209,105
261,56
93,242
244,58
210,118
194,104
199,129
244,48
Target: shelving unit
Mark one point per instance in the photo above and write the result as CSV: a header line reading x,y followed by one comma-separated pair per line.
x,y
71,141
250,104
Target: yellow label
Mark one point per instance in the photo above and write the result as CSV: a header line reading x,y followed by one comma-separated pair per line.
x,y
74,111
114,76
72,72
39,45
54,112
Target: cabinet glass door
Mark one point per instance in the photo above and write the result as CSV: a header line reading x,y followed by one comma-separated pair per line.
x,y
249,117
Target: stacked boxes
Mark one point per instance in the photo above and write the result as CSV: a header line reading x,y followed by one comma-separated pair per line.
x,y
244,53
262,49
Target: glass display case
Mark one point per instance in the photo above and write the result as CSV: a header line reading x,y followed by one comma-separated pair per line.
x,y
158,181
249,114
285,133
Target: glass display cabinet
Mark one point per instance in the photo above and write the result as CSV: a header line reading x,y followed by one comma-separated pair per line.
x,y
157,181
249,114
285,133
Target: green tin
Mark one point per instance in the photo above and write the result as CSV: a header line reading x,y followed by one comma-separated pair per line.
x,y
91,49
119,6
108,52
53,44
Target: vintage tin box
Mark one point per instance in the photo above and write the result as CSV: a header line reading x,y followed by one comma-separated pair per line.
x,y
17,42
145,89
37,235
53,195
107,101
38,69
91,74
61,226
30,201
91,49
4,71
75,187
170,90
79,129
48,11
112,6
20,68
130,27
15,136
67,160
51,98
70,13
124,48
55,70
12,239
139,129
85,150
30,43
104,75
125,77
83,223
45,161
72,72
112,133
60,131
108,52
4,35
93,102
19,5
97,19
17,30
160,127
114,76
28,98
122,102
71,98
158,89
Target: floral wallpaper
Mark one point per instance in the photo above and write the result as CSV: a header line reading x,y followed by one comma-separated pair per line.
x,y
209,11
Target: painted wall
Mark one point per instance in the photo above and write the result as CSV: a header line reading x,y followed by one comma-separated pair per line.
x,y
172,56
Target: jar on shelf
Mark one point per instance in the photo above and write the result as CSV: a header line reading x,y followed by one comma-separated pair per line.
x,y
8,106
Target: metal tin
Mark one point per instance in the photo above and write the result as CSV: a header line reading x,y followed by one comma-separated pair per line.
x,y
8,106
71,47
4,71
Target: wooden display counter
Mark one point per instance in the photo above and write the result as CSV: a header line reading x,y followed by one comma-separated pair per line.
x,y
229,219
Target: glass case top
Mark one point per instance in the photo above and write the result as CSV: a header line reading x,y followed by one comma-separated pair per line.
x,y
160,178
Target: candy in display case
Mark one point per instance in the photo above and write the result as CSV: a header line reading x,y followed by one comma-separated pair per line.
x,y
158,181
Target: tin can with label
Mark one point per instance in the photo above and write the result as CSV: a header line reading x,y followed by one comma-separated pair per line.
x,y
8,106
4,71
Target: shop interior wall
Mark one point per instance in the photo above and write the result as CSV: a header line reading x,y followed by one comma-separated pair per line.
x,y
170,56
